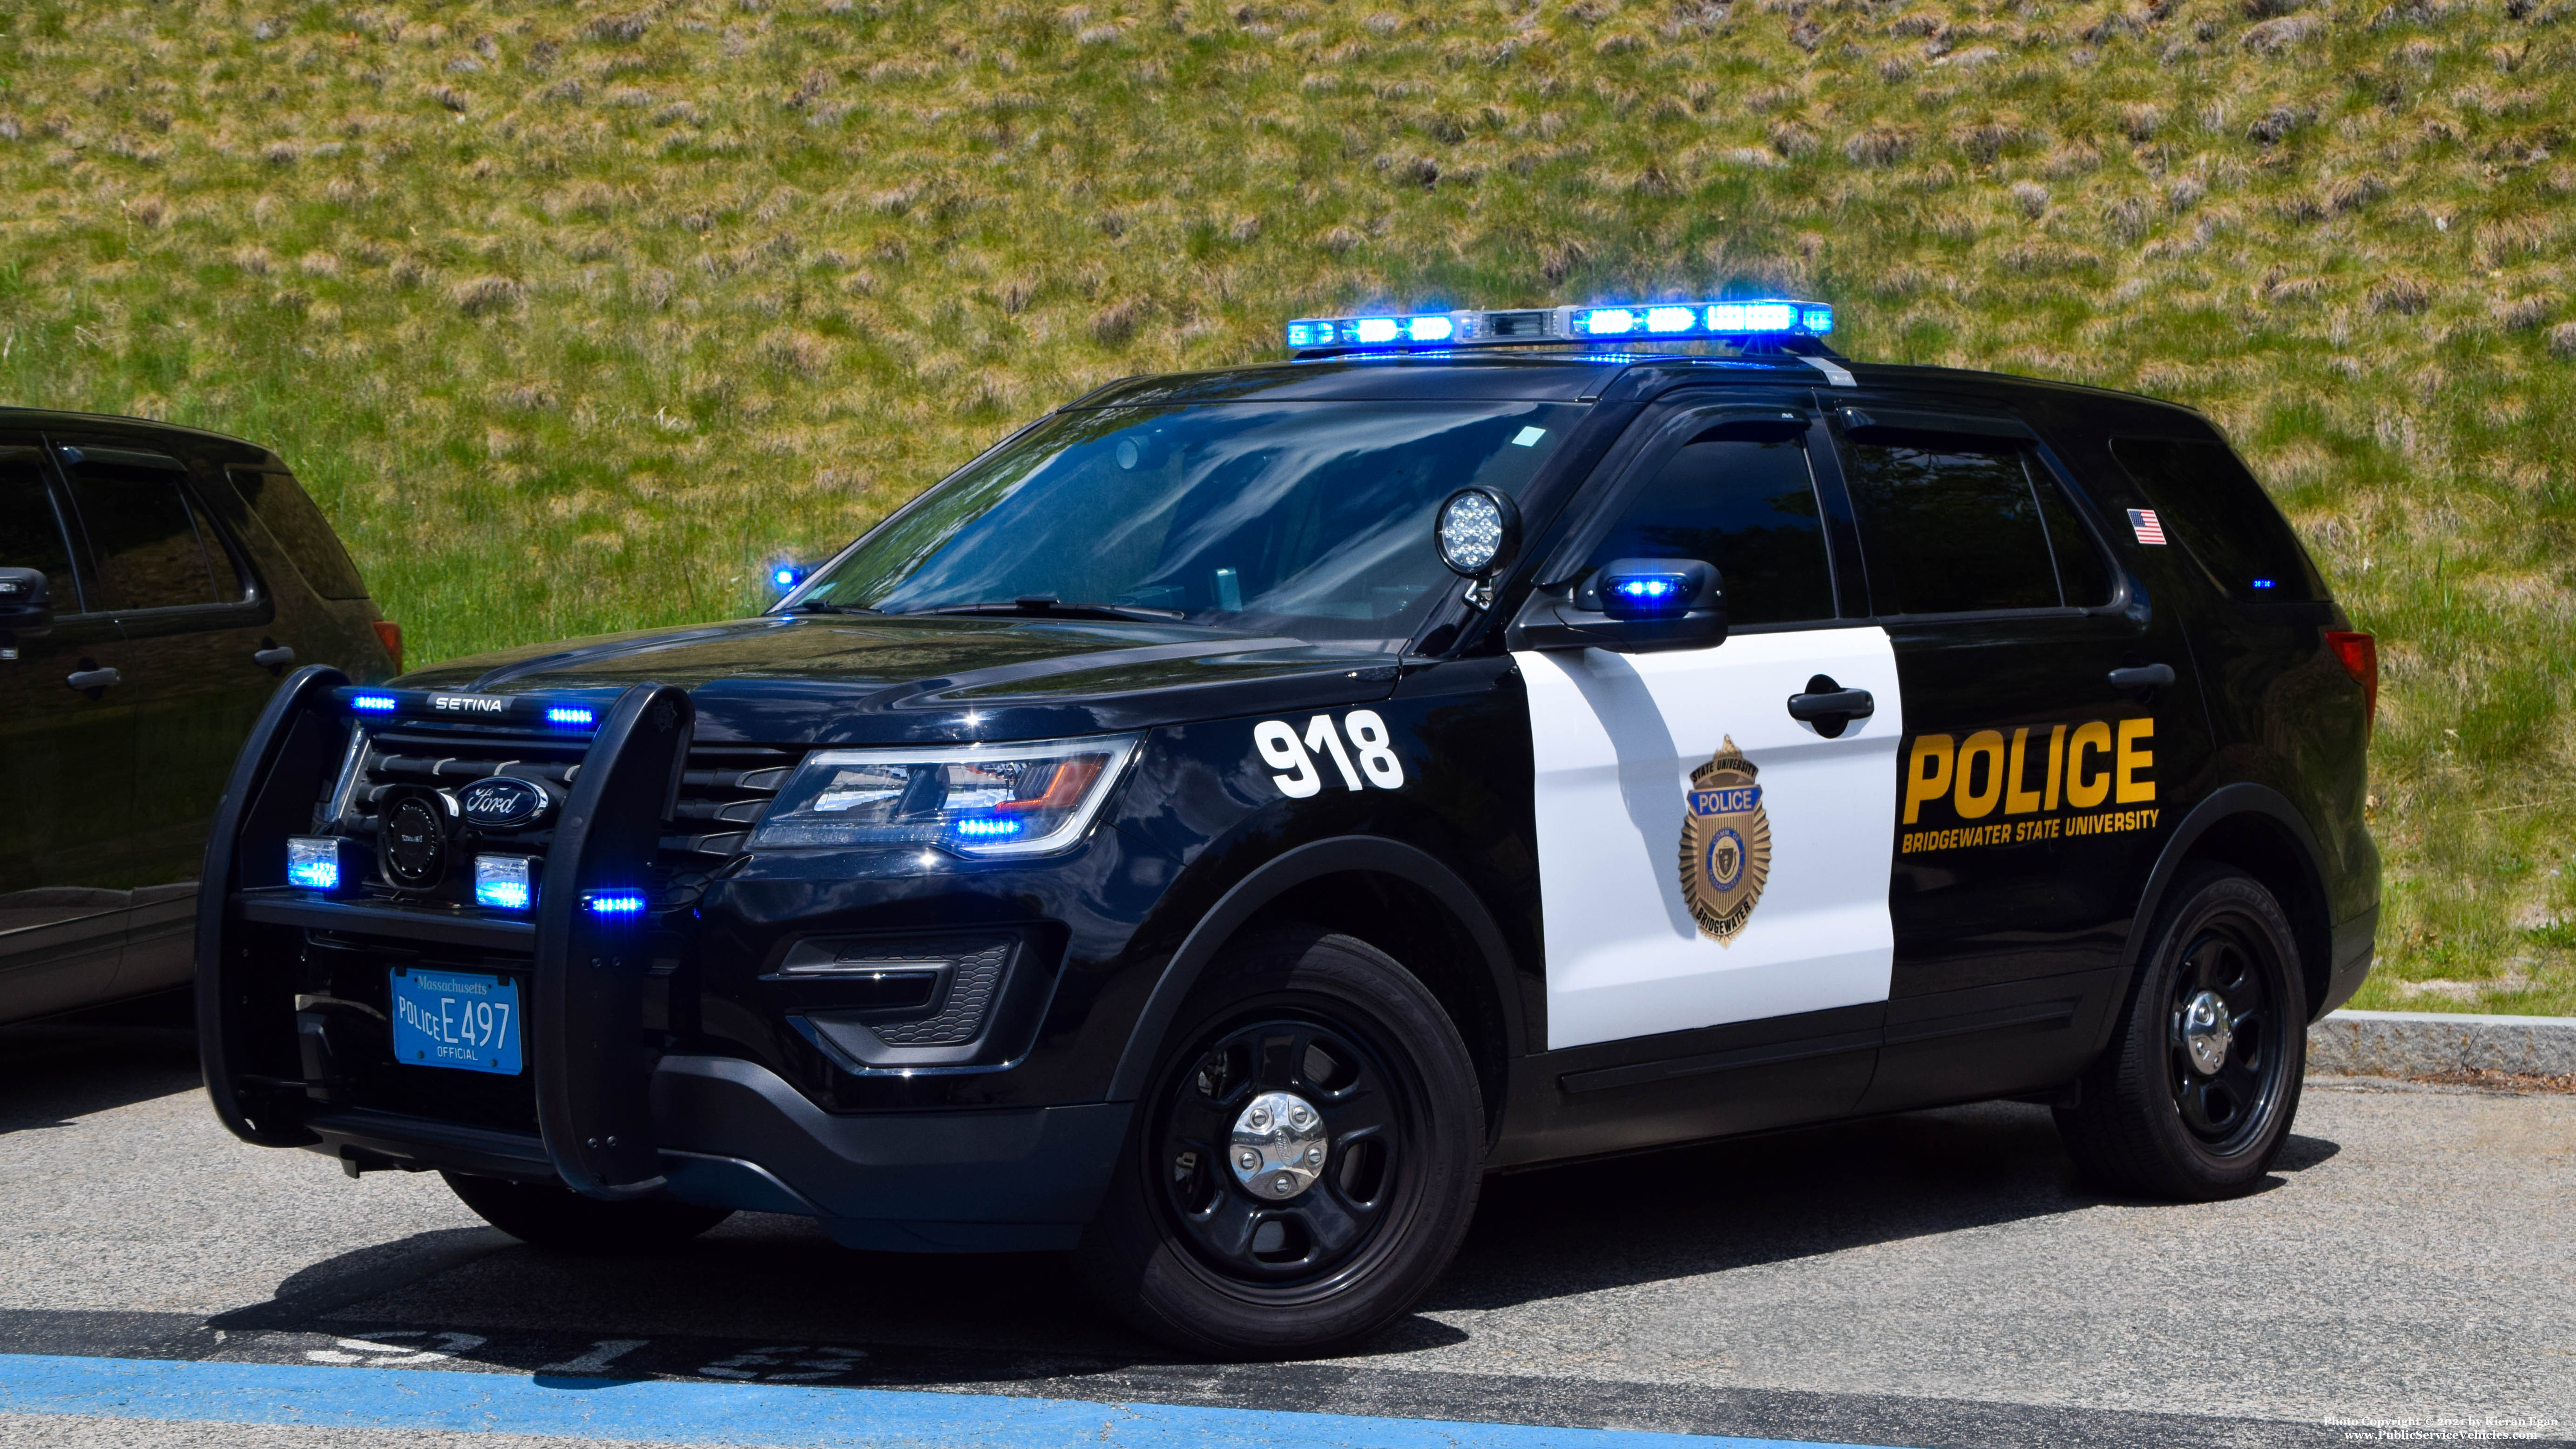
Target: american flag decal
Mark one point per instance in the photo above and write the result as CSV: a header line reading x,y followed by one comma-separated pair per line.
x,y
2143,520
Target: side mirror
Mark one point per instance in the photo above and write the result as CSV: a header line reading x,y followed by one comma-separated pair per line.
x,y
1478,534
1630,606
24,607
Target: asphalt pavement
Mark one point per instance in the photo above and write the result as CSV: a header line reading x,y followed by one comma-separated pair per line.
x,y
1936,1278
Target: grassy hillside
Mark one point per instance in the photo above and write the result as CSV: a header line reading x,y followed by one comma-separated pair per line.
x,y
575,314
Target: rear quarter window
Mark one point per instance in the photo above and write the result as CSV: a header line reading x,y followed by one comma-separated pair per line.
x,y
2212,506
299,528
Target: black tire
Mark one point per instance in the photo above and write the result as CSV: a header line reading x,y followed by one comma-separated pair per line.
x,y
1198,1256
2153,1118
563,1221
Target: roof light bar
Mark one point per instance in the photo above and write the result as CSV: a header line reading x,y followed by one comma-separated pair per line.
x,y
1660,321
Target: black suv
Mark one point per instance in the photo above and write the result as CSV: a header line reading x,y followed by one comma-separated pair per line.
x,y
1220,824
155,582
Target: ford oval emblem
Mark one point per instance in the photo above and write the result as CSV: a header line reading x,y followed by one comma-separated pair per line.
x,y
498,802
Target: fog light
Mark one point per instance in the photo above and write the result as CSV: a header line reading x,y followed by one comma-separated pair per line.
x,y
508,882
313,862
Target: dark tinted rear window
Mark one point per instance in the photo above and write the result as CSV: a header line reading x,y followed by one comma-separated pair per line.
x,y
2210,505
31,537
303,532
148,546
1954,525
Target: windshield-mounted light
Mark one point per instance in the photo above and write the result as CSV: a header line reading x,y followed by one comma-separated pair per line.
x,y
978,800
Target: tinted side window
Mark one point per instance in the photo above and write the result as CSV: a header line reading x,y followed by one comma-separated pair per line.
x,y
2083,574
299,527
146,548
1739,497
1950,525
31,537
2207,501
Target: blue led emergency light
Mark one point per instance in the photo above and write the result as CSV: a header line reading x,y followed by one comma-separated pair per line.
x,y
569,714
313,862
1658,321
1640,595
373,703
987,827
614,903
508,882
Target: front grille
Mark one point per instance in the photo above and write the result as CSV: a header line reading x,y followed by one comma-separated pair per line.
x,y
723,792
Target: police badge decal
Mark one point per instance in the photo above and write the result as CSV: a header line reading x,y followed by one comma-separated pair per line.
x,y
1726,844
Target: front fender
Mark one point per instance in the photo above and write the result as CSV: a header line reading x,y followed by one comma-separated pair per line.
x,y
1273,879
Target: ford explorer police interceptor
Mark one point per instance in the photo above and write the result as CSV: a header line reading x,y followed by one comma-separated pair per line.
x,y
1219,825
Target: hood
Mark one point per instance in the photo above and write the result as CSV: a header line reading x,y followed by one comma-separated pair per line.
x,y
853,679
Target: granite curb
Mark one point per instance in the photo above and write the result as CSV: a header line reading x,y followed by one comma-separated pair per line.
x,y
2440,1043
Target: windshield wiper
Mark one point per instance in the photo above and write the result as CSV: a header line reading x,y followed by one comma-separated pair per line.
x,y
1049,607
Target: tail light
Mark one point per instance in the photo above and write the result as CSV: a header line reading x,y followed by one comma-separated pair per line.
x,y
390,634
2360,656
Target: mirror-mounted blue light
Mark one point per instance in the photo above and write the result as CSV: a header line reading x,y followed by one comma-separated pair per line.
x,y
614,904
786,576
578,716
1673,321
1649,593
373,703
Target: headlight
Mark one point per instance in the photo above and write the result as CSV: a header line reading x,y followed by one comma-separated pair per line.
x,y
972,799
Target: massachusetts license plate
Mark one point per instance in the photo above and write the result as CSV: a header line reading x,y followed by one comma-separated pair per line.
x,y
456,1019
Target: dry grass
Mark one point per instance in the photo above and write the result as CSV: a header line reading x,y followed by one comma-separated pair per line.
x,y
575,314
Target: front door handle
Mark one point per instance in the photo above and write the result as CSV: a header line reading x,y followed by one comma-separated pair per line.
x,y
92,680
1830,707
2142,676
275,657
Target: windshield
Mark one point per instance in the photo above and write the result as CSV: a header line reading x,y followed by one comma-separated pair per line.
x,y
1306,519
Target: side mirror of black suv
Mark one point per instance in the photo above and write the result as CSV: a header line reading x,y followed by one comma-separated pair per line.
x,y
24,608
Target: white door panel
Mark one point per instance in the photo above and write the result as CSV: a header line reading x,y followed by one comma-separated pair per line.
x,y
1616,737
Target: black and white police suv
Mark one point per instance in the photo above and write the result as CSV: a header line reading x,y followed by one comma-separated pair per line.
x,y
1220,824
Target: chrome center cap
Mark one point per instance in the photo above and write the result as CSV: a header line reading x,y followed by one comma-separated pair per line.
x,y
2207,1032
1278,1148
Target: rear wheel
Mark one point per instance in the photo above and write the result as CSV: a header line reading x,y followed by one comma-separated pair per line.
x,y
2196,1094
1305,1163
558,1218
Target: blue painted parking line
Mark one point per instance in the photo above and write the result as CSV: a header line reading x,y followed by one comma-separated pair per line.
x,y
663,1411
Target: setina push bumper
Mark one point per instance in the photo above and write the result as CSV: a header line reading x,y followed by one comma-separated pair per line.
x,y
327,997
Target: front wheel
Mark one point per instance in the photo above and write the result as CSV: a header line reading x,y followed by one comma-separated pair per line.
x,y
547,1216
1305,1163
2194,1098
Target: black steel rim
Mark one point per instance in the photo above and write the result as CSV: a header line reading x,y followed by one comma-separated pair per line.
x,y
1329,1232
2233,959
